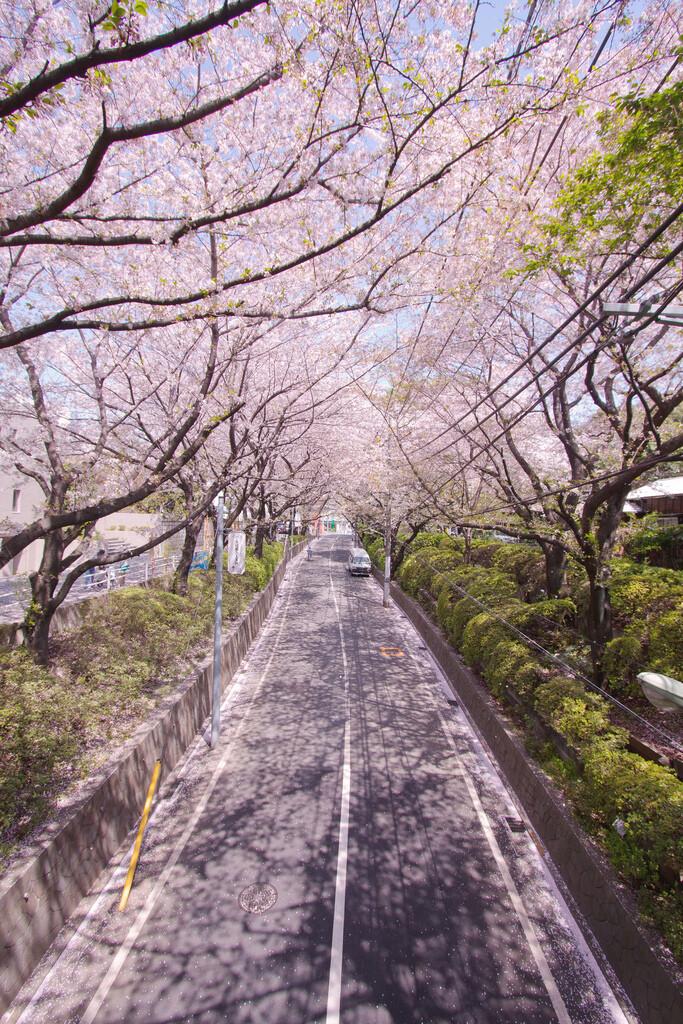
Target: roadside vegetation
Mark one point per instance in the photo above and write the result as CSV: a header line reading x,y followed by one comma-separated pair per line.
x,y
632,806
129,651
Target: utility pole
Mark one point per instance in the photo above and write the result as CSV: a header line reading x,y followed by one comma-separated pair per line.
x,y
387,553
217,627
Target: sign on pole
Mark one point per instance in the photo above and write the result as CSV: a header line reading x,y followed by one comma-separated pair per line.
x,y
237,551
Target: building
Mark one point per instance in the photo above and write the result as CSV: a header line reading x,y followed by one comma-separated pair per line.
x,y
663,496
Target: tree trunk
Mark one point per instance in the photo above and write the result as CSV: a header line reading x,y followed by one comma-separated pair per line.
x,y
398,553
467,534
599,627
211,514
42,608
555,565
261,534
183,570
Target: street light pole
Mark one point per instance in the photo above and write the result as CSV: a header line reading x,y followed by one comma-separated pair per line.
x,y
387,553
217,627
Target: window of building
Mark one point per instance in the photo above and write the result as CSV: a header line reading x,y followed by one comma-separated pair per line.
x,y
16,498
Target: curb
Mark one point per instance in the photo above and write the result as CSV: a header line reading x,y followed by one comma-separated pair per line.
x,y
654,987
40,893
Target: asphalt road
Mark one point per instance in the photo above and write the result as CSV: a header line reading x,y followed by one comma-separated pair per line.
x,y
352,804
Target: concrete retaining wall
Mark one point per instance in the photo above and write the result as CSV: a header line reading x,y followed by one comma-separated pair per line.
x,y
654,986
40,893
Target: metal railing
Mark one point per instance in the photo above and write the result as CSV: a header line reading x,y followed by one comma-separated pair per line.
x,y
15,591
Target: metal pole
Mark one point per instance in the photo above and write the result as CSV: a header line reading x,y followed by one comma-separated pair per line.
x,y
387,553
291,535
217,626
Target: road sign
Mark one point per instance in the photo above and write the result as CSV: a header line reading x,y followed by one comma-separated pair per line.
x,y
237,550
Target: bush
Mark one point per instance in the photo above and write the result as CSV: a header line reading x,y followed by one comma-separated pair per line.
x,y
433,540
526,565
622,662
647,797
42,723
375,548
480,637
665,652
422,570
659,545
484,551
578,715
511,663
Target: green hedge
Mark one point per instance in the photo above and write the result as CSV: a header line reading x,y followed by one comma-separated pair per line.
x,y
608,782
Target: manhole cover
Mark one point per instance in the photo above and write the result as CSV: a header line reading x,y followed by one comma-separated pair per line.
x,y
516,824
257,898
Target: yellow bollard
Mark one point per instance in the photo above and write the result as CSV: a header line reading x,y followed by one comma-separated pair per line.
x,y
138,842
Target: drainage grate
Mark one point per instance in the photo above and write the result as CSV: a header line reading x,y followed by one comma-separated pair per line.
x,y
257,898
516,824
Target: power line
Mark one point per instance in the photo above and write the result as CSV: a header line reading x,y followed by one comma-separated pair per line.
x,y
628,262
558,661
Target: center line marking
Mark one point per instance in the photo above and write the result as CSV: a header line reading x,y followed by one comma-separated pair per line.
x,y
337,946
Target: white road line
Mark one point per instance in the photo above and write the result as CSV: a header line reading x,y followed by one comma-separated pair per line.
x,y
337,947
516,900
119,960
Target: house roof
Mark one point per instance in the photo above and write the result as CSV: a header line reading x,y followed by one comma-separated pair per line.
x,y
671,485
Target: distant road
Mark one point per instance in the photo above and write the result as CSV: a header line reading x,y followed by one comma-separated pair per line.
x,y
343,856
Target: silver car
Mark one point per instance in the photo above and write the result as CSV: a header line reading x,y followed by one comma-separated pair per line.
x,y
359,562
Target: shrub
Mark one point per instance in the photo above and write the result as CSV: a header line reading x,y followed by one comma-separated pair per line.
x,y
537,620
511,663
42,725
480,637
623,658
647,797
666,643
432,540
484,552
578,715
375,548
128,650
526,565
422,570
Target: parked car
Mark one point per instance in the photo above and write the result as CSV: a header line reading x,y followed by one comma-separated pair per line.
x,y
359,562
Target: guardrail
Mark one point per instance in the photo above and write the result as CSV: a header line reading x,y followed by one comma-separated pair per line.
x,y
15,592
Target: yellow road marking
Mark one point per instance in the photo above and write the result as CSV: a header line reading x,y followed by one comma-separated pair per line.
x,y
138,842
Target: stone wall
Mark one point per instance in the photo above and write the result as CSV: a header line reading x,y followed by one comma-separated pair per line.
x,y
38,894
654,985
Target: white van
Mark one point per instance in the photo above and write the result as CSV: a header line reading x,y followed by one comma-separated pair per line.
x,y
359,562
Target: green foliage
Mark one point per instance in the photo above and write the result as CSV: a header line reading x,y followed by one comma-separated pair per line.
x,y
526,565
647,797
484,552
623,659
42,723
375,548
480,637
171,502
421,571
624,189
511,663
648,604
577,715
656,544
435,540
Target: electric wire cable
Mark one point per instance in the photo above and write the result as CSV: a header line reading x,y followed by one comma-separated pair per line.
x,y
670,740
